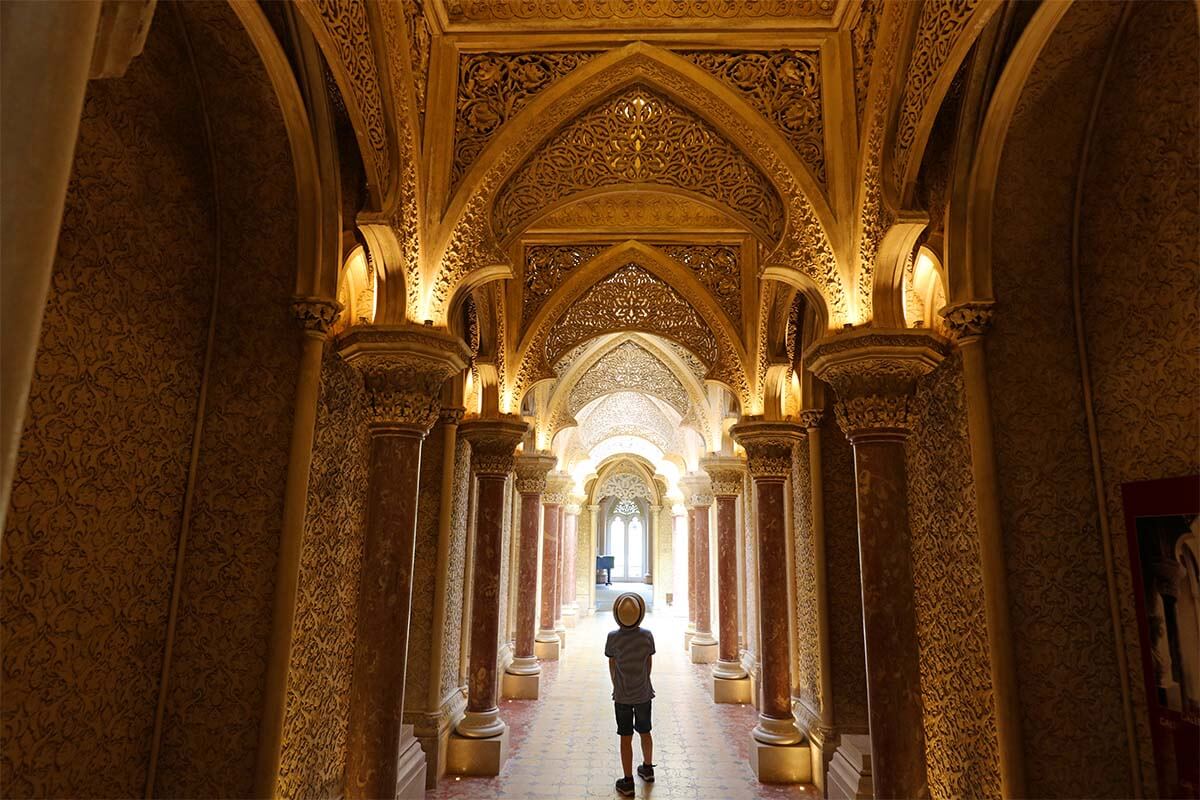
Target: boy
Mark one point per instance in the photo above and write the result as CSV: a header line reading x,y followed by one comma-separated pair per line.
x,y
629,649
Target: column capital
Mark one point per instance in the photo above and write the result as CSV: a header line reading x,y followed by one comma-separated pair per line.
x,y
875,373
452,415
811,417
574,504
316,315
697,490
969,320
727,474
768,446
558,488
531,471
403,369
493,442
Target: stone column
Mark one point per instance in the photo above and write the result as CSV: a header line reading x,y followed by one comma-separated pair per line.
x,y
776,752
521,678
480,744
697,495
679,528
403,369
594,510
570,600
730,682
547,643
691,561
558,487
874,373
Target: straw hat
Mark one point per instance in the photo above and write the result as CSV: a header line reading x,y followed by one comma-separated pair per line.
x,y
629,609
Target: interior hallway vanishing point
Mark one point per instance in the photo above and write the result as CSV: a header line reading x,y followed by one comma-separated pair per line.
x,y
564,745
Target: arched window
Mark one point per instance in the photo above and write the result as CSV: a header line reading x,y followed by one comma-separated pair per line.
x,y
637,546
616,545
627,540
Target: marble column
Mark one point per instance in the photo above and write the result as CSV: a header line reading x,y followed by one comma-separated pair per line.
x,y
728,674
403,369
697,496
776,754
691,561
597,535
558,487
570,600
493,443
531,483
874,373
547,642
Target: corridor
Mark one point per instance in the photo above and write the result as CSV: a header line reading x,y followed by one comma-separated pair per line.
x,y
564,745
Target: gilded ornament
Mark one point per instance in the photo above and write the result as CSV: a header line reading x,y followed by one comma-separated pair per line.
x,y
628,367
727,475
719,268
611,11
546,267
532,470
623,486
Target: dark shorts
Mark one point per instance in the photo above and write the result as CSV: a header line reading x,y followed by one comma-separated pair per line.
x,y
633,718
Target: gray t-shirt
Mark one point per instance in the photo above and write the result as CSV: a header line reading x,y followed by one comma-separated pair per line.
x,y
631,648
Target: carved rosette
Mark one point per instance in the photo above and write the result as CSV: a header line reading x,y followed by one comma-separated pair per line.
x,y
403,369
768,447
316,315
494,443
875,373
726,474
531,472
968,320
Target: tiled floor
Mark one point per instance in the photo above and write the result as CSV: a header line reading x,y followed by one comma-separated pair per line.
x,y
606,595
564,745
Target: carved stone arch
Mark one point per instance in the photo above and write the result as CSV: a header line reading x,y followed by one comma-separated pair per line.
x,y
628,464
810,236
729,366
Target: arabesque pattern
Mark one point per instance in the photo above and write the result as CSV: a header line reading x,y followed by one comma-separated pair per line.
x,y
546,267
628,367
638,137
501,10
719,268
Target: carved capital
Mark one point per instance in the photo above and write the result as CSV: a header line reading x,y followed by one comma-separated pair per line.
x,y
726,473
452,415
531,472
554,499
560,485
697,490
768,447
969,320
875,373
811,418
494,443
403,369
316,314
573,507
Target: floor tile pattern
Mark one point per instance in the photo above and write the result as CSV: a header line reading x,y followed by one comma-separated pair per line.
x,y
564,745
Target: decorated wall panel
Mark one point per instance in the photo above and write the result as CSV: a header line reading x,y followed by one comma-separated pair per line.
x,y
97,499
609,11
546,267
210,730
719,268
956,689
656,211
638,137
457,570
862,40
320,674
804,552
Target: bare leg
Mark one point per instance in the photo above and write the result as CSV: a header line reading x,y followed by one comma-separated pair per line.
x,y
647,748
627,755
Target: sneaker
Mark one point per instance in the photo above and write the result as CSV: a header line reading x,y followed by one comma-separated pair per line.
x,y
646,772
625,787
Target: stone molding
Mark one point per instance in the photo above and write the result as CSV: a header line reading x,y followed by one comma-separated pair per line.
x,y
768,446
532,470
316,314
494,443
403,369
726,474
970,319
875,373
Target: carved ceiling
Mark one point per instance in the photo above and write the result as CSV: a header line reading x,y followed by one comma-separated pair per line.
x,y
618,12
628,367
628,414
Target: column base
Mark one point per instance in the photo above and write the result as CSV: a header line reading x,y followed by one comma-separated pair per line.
x,y
731,690
481,724
780,763
570,617
561,631
546,651
776,731
703,653
687,639
524,665
849,775
728,670
520,687
480,757
410,768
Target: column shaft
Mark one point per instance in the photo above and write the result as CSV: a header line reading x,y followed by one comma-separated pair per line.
x,y
531,507
558,572
549,570
775,692
727,589
691,532
571,537
703,610
485,596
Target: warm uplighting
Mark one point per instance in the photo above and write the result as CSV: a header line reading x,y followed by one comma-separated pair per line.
x,y
357,284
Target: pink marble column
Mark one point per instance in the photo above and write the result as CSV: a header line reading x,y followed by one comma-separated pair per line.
x,y
874,373
570,577
493,442
691,534
546,632
559,583
768,448
531,483
726,475
699,500
403,371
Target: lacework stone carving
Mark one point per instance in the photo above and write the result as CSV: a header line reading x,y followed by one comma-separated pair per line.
x,y
531,471
492,88
315,314
493,443
719,268
420,40
628,367
782,85
727,475
808,625
638,136
862,41
546,267
632,299
627,414
624,486
768,447
969,320
622,10
642,212
942,23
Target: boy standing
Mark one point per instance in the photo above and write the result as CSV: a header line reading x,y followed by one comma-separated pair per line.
x,y
629,650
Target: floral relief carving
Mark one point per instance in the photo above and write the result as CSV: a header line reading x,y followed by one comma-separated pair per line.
x,y
804,552
623,486
719,268
492,88
862,41
456,571
628,367
630,414
642,212
546,267
497,10
632,299
420,40
782,85
640,137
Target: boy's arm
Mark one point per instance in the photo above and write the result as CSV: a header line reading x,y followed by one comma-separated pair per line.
x,y
612,671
